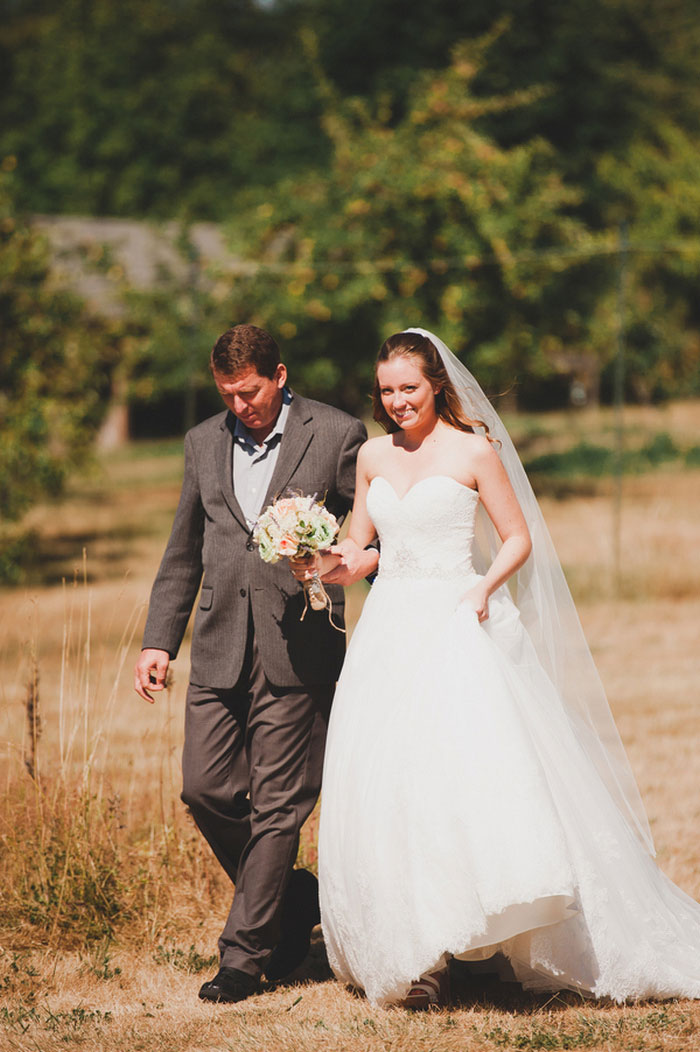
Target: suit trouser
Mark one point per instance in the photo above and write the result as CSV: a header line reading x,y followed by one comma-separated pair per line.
x,y
252,767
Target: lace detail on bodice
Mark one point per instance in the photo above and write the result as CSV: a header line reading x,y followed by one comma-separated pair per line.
x,y
427,533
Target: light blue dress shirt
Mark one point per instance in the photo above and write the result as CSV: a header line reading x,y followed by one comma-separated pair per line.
x,y
254,464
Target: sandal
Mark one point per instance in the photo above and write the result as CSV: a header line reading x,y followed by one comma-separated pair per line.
x,y
432,990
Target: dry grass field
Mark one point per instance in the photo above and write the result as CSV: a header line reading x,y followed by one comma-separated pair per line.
x,y
110,905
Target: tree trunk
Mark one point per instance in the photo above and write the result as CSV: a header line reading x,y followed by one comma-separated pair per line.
x,y
114,431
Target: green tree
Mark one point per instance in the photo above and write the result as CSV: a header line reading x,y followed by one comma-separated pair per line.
x,y
164,339
617,97
50,376
654,195
620,106
423,221
613,70
150,107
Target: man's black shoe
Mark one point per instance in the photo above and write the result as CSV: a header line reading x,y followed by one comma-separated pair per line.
x,y
300,913
229,985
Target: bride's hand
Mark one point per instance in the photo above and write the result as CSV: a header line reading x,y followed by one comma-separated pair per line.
x,y
353,563
477,598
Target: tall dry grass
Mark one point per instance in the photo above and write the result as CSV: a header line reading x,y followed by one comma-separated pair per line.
x,y
94,844
111,904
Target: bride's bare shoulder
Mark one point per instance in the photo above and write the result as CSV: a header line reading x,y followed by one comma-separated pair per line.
x,y
470,458
473,445
372,453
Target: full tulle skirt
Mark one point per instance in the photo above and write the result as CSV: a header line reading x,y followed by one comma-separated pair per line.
x,y
460,816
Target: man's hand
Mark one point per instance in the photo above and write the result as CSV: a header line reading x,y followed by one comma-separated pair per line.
x,y
150,672
303,566
355,563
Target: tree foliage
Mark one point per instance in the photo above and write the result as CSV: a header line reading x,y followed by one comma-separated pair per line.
x,y
392,175
50,377
612,70
421,221
657,196
165,335
149,107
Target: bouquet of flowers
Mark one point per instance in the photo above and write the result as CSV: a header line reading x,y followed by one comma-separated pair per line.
x,y
296,526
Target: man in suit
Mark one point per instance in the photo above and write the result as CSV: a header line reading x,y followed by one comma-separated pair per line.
x,y
261,680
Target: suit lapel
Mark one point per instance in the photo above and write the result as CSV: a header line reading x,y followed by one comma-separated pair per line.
x,y
297,434
224,457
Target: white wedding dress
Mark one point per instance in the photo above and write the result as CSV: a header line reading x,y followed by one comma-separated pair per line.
x,y
459,813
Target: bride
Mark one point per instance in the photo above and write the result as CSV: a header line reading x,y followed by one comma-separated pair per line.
x,y
476,795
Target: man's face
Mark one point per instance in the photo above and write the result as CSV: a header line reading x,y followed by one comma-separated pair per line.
x,y
256,400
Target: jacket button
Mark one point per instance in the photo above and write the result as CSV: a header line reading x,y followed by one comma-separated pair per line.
x,y
243,593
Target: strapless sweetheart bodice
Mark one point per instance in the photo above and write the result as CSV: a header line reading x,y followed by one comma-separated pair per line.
x,y
426,533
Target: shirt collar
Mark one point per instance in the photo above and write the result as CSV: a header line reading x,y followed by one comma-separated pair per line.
x,y
243,435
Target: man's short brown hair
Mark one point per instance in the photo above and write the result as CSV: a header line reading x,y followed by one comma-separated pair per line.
x,y
244,346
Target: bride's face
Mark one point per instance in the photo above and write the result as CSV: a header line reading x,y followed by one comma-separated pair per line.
x,y
407,396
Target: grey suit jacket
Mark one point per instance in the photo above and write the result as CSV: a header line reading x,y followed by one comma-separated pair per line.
x,y
210,545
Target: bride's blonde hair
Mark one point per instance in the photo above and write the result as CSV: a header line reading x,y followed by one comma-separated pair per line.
x,y
447,403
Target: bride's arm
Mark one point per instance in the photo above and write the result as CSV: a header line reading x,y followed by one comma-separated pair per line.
x,y
501,504
356,560
348,561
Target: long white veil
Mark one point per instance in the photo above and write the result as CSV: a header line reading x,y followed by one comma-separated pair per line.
x,y
548,612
